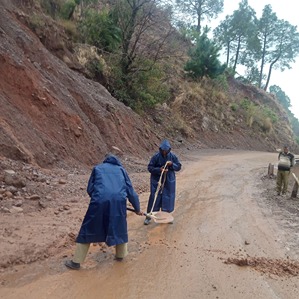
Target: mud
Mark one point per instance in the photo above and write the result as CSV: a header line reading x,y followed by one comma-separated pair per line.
x,y
231,238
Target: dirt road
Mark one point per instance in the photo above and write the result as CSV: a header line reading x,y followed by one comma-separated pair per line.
x,y
221,219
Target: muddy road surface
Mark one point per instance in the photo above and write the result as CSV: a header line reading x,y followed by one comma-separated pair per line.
x,y
230,239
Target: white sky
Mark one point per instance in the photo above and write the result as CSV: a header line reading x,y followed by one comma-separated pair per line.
x,y
286,10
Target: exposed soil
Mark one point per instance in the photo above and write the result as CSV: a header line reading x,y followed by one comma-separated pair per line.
x,y
232,237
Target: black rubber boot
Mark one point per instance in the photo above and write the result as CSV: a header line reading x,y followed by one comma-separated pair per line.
x,y
147,221
72,265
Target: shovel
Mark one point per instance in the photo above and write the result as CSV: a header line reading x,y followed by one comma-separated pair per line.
x,y
161,217
158,217
158,187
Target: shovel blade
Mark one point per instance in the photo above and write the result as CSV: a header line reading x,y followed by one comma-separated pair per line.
x,y
162,217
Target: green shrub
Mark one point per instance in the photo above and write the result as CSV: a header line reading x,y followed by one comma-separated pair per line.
x,y
140,89
262,116
68,9
36,22
95,67
51,7
204,59
148,86
268,112
245,104
70,28
221,82
99,29
234,106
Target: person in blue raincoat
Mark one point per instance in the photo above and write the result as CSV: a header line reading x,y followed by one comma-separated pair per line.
x,y
109,187
166,197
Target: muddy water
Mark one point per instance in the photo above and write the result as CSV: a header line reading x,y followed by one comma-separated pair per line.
x,y
216,217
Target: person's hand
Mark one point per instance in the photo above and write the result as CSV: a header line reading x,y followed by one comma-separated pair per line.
x,y
169,163
140,213
164,169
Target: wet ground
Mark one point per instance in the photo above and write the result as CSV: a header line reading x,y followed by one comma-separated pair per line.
x,y
232,237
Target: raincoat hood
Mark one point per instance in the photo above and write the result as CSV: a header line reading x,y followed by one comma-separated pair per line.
x,y
165,145
112,160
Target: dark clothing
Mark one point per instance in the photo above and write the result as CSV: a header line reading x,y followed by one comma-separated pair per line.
x,y
165,199
285,161
109,187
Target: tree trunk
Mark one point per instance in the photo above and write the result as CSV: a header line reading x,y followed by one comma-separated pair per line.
x,y
262,64
126,60
269,73
237,55
198,27
227,53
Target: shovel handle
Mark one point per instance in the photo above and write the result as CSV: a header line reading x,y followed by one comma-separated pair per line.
x,y
145,214
130,209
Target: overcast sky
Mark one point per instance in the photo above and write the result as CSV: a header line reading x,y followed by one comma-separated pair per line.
x,y
288,80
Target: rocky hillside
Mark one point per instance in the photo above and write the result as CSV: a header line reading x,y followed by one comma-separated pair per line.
x,y
52,115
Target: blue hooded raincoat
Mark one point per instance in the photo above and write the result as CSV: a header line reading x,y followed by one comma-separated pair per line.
x,y
109,187
165,199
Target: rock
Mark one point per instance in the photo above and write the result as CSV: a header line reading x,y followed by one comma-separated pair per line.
x,y
62,181
78,132
5,210
12,189
8,194
111,108
9,172
116,149
41,179
34,197
42,204
35,173
12,179
16,210
18,203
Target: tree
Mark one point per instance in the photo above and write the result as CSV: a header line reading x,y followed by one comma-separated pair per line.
x,y
237,35
100,30
146,34
146,31
84,5
242,28
204,59
266,32
225,36
67,9
281,96
295,125
279,43
200,9
286,104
